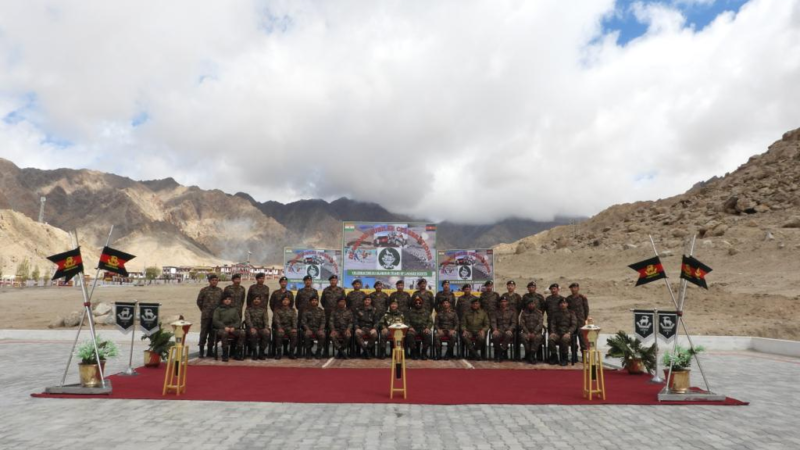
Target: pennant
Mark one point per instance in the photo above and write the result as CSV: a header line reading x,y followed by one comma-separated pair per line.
x,y
694,271
69,264
667,324
124,314
649,270
643,324
112,260
148,318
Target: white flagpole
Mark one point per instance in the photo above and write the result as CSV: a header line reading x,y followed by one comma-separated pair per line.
x,y
130,371
97,275
80,326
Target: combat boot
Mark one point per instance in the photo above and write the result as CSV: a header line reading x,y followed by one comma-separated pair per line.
x,y
254,353
449,355
564,358
262,353
291,352
202,353
424,356
278,351
225,353
319,351
240,353
553,359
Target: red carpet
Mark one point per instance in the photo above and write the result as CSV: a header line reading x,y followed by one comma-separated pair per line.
x,y
425,386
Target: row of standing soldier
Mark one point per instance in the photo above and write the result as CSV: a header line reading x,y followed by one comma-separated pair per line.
x,y
344,316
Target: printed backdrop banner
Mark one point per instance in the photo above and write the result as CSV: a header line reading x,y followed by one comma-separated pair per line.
x,y
148,318
124,314
460,267
389,252
667,324
319,263
643,324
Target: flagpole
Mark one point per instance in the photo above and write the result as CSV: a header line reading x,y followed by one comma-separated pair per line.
x,y
130,372
80,327
666,281
675,302
97,275
87,306
656,379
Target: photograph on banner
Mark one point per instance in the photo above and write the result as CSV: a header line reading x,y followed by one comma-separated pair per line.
x,y
320,264
388,252
466,266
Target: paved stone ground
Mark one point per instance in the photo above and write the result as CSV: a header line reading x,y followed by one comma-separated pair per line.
x,y
770,422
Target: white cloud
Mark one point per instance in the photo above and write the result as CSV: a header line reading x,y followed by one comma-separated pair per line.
x,y
467,111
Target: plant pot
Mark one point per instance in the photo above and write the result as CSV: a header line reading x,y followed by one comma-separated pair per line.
x,y
679,383
90,374
635,366
151,359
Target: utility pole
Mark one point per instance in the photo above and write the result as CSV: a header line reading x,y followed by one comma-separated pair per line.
x,y
41,209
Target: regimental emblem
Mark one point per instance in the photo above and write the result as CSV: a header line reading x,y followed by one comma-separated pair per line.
x,y
389,259
113,261
650,270
69,263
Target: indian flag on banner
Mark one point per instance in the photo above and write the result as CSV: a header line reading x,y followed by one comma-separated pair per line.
x,y
349,227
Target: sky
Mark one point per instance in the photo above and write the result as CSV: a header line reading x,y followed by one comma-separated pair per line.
x,y
469,111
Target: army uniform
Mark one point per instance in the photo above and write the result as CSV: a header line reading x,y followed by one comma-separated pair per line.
x,y
446,326
284,320
403,300
257,317
474,324
355,300
260,290
531,324
209,298
313,325
551,306
441,296
303,299
463,304
341,326
579,304
238,294
427,299
225,316
514,301
535,297
380,301
562,323
504,323
388,319
276,299
366,321
419,324
331,296
490,302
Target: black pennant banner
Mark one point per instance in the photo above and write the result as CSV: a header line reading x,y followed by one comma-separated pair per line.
x,y
124,315
148,317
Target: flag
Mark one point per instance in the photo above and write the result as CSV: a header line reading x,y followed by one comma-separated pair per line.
x,y
69,264
112,260
649,270
667,324
694,271
148,318
124,314
643,323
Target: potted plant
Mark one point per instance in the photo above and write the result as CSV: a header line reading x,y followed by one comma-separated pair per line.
x,y
635,357
89,367
158,349
681,361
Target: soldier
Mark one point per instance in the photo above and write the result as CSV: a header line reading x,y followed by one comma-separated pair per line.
x,y
562,323
256,320
259,289
533,296
444,294
237,293
330,298
392,316
228,325
341,326
276,299
419,323
425,294
474,325
305,294
208,300
514,299
446,327
531,322
355,299
313,324
400,296
380,300
366,320
579,304
504,323
551,303
285,322
489,298
464,302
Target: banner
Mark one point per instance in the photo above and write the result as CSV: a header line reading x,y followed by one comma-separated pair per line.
x,y
389,252
667,324
148,318
124,315
643,322
694,271
460,267
649,270
112,260
319,264
69,264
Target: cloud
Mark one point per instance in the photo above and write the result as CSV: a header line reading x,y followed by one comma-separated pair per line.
x,y
467,111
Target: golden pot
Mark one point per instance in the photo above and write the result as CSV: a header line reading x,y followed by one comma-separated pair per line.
x,y
635,366
151,359
90,374
679,383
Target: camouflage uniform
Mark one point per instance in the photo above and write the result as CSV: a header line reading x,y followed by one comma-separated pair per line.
x,y
562,323
313,324
531,324
227,317
355,300
441,296
285,322
341,326
504,323
474,324
463,304
551,306
446,326
238,294
489,302
579,304
427,299
514,301
261,290
366,322
276,299
257,317
303,299
403,300
536,297
388,319
330,297
419,324
380,300
208,300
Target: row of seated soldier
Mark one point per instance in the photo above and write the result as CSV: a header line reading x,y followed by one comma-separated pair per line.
x,y
356,323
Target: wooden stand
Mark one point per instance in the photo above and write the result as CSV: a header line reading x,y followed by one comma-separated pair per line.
x,y
397,370
177,363
593,381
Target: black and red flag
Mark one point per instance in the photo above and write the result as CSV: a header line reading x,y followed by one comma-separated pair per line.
x,y
649,270
69,264
112,260
694,271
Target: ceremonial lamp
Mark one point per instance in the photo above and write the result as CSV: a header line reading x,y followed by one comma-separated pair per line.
x,y
397,371
593,382
177,363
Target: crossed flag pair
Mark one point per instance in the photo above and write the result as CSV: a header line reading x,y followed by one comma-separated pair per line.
x,y
70,263
692,271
